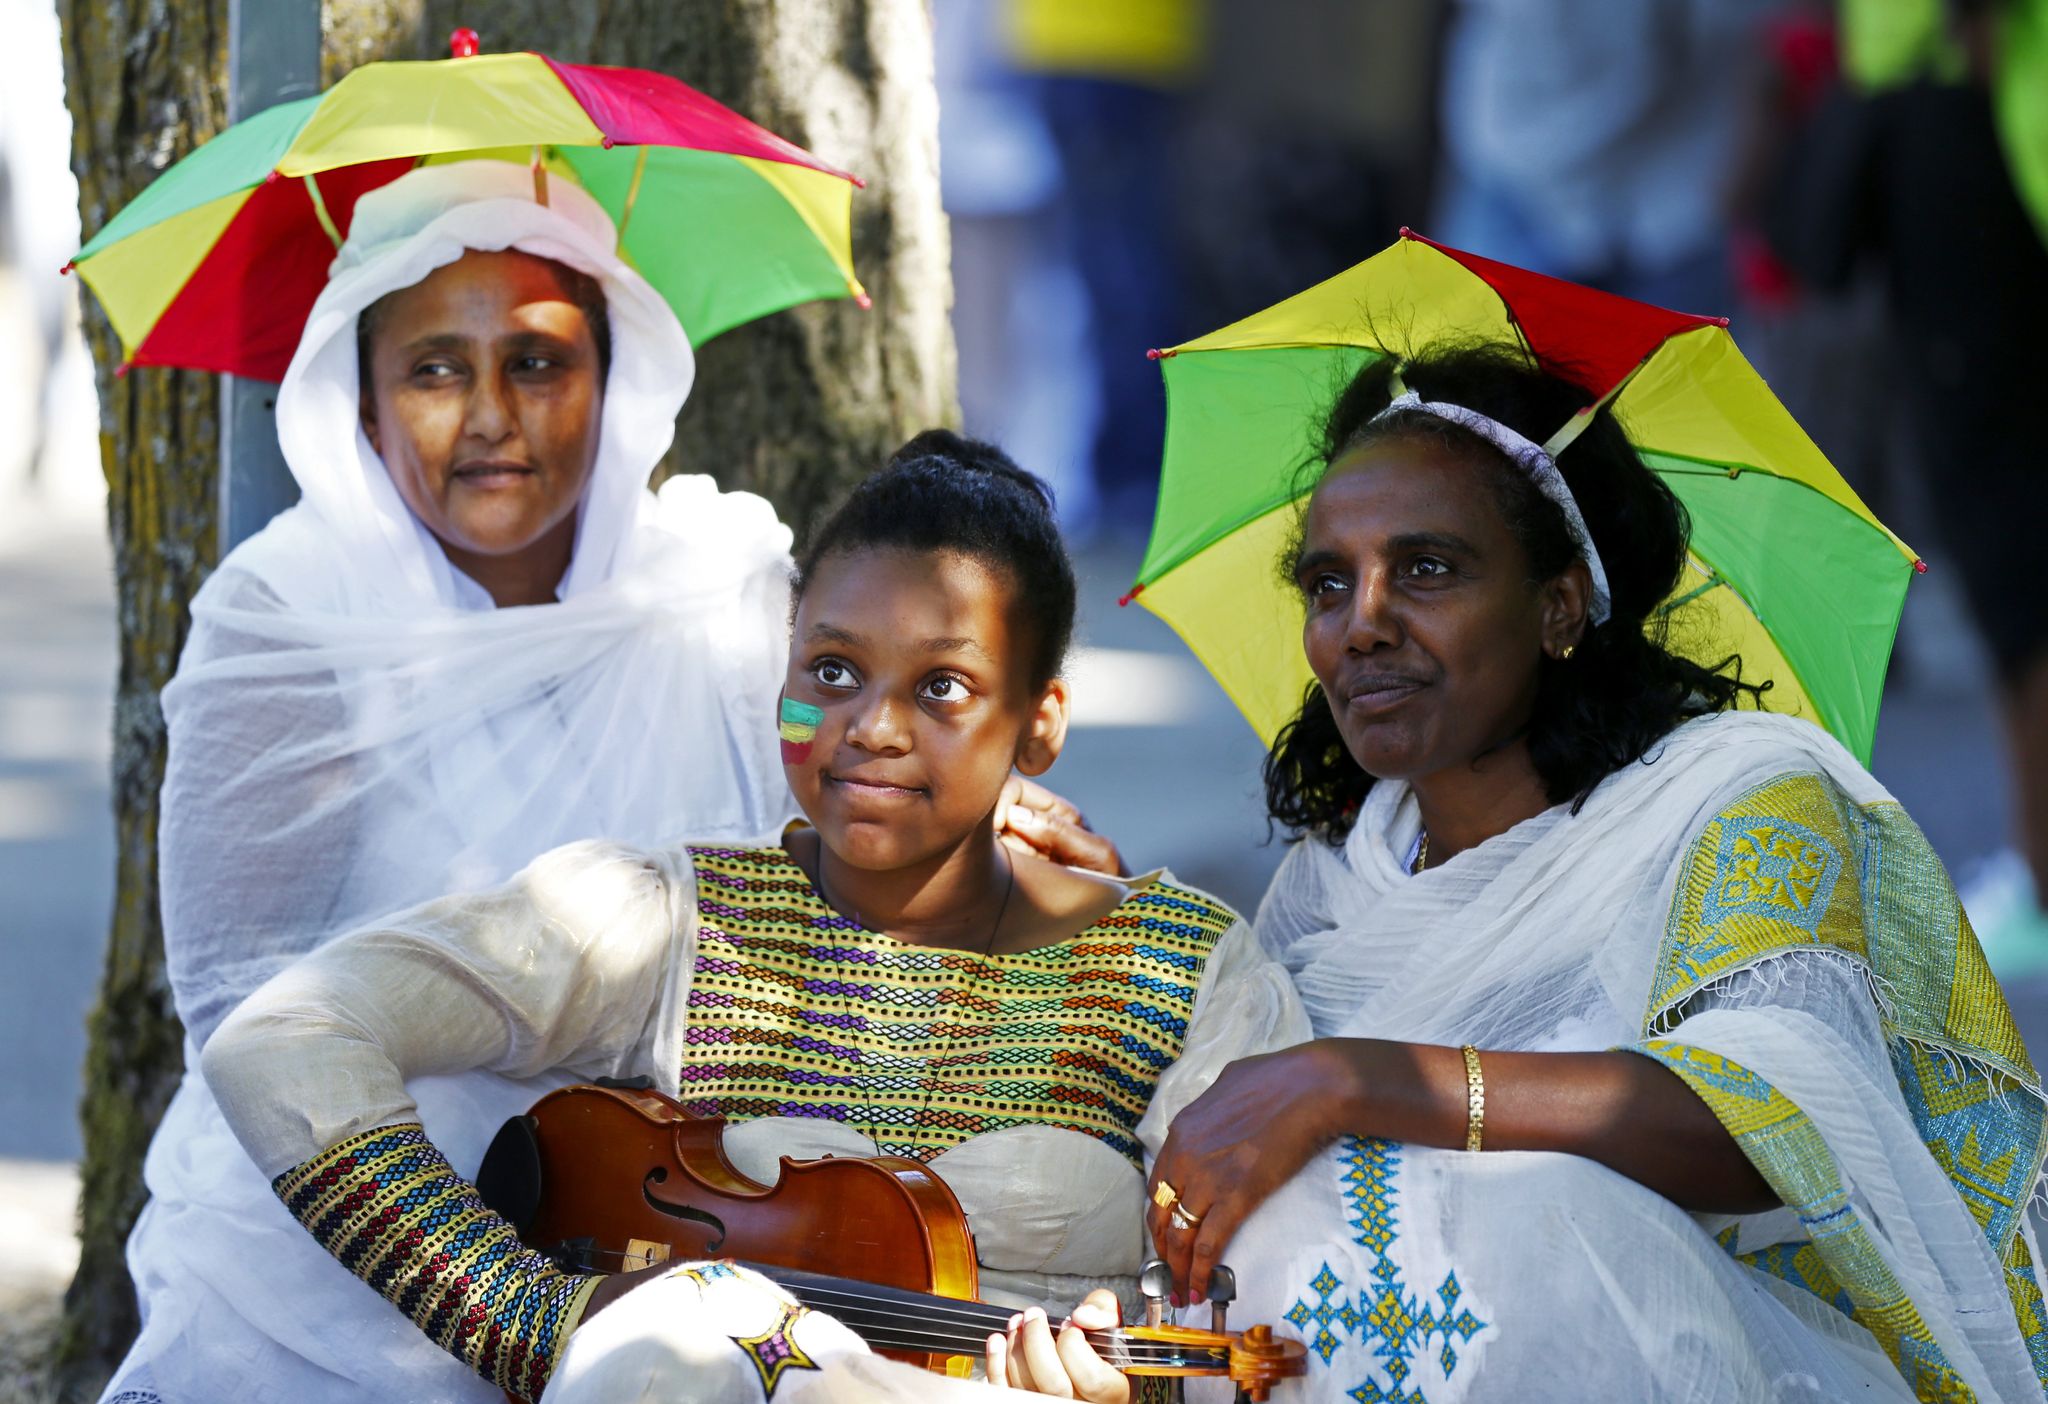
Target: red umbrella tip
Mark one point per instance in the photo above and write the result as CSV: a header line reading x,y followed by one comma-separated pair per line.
x,y
273,177
1406,232
1155,354
1136,590
1919,567
1721,322
67,268
862,300
464,43
858,183
123,369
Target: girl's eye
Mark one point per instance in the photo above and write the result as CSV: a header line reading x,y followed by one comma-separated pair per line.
x,y
831,673
1323,583
946,689
1428,565
529,364
433,370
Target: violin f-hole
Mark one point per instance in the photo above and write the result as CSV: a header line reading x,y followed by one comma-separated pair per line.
x,y
685,1212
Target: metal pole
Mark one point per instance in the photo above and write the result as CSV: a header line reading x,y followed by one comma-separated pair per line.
x,y
273,57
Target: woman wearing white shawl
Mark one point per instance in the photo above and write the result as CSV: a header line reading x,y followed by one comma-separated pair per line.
x,y
354,728
1752,1119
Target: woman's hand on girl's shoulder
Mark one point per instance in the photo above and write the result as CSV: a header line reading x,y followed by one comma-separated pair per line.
x,y
1034,819
1030,1357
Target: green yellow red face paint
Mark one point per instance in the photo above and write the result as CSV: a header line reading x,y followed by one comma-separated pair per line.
x,y
799,726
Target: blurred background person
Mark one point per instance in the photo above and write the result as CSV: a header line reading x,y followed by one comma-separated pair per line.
x,y
1593,139
1914,169
1108,81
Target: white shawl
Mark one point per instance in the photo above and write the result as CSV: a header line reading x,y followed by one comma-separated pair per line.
x,y
354,729
1570,932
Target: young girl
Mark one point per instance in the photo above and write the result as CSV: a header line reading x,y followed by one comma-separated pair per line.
x,y
894,980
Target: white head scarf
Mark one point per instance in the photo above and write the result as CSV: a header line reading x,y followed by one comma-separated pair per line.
x,y
354,729
402,232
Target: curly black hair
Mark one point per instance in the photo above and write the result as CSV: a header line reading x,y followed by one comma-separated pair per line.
x,y
1623,688
944,492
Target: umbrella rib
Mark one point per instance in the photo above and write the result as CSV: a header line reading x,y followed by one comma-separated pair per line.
x,y
320,209
632,194
1715,580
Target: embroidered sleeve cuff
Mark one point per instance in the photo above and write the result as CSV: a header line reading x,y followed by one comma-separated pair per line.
x,y
395,1213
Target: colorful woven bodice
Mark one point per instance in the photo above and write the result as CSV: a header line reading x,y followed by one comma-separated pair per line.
x,y
795,1010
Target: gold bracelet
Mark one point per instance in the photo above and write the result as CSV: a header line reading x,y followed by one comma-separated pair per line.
x,y
1475,1099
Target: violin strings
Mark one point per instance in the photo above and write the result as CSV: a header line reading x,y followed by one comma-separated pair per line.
x,y
855,1314
905,1332
925,1321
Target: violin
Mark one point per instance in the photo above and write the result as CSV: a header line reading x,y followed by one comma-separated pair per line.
x,y
616,1176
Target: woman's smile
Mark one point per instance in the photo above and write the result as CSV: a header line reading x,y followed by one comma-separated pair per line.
x,y
487,477
1367,694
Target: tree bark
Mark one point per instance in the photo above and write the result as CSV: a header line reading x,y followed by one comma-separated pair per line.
x,y
145,84
795,406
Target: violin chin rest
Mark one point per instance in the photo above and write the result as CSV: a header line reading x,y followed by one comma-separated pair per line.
x,y
509,1180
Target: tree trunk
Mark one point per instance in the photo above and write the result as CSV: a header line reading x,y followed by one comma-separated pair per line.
x,y
145,85
794,406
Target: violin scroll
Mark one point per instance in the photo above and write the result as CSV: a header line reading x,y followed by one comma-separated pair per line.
x,y
1259,1360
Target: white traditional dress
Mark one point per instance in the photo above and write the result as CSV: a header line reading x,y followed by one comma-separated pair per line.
x,y
354,729
1034,1083
1750,908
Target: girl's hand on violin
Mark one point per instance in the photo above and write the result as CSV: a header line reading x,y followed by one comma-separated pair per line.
x,y
1033,819
1029,1357
1233,1146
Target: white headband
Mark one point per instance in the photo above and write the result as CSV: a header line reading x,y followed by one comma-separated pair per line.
x,y
1533,460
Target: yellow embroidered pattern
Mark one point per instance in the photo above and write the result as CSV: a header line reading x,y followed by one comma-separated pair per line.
x,y
1794,864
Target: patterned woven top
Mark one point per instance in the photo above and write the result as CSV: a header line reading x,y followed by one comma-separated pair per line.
x,y
796,1010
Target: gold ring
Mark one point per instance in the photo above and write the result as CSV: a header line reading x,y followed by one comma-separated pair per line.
x,y
1164,1195
1183,1219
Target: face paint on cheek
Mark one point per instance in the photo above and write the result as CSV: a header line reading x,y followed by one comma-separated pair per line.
x,y
799,727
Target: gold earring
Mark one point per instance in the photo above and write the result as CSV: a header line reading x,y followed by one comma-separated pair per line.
x,y
1565,654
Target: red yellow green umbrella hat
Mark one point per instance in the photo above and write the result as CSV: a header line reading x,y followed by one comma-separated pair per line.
x,y
216,265
1787,567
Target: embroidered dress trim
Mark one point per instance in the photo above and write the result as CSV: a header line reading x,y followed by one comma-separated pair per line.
x,y
795,1010
1794,866
395,1213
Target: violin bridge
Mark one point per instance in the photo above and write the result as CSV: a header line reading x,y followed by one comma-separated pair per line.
x,y
644,1252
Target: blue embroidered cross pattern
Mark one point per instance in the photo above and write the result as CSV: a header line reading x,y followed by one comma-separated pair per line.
x,y
1399,1326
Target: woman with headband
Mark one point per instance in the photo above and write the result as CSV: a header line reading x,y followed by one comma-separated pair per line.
x,y
1655,1058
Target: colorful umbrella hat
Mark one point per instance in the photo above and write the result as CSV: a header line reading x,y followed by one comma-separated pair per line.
x,y
216,265
1788,568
